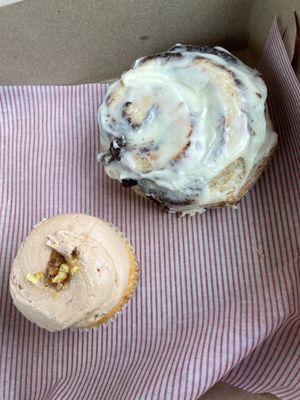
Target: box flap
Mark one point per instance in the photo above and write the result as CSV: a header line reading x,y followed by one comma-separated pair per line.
x,y
87,41
262,16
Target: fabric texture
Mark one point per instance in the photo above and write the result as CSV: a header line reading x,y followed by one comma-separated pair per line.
x,y
218,297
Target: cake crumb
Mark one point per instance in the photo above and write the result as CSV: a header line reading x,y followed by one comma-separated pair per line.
x,y
260,253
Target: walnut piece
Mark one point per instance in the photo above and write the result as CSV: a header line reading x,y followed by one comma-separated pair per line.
x,y
60,270
62,275
35,278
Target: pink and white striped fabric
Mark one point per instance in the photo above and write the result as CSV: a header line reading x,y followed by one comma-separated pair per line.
x,y
218,297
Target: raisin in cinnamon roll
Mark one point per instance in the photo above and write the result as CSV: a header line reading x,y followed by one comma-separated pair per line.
x,y
187,128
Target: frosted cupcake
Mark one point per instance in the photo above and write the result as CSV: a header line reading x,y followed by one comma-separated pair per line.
x,y
187,128
73,271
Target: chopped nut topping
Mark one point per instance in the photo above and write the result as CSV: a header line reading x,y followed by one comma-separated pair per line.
x,y
52,271
59,269
56,259
35,278
62,275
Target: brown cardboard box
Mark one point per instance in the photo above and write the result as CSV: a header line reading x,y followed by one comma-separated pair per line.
x,y
73,41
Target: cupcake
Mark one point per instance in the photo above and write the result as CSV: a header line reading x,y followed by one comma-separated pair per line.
x,y
187,128
73,271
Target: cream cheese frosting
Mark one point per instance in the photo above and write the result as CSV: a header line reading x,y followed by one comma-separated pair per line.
x,y
187,128
97,286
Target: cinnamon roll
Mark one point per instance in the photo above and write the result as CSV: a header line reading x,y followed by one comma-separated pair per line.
x,y
187,128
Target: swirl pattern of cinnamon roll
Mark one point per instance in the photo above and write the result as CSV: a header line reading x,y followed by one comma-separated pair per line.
x,y
187,128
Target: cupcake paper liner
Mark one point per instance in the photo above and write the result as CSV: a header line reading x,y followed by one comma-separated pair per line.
x,y
133,279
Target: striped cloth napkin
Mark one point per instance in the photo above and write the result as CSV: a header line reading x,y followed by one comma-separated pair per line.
x,y
218,297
